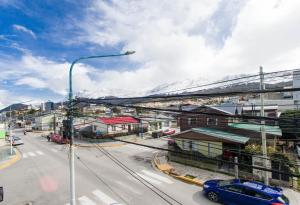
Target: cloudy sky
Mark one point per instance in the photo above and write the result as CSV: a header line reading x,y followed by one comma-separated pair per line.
x,y
175,41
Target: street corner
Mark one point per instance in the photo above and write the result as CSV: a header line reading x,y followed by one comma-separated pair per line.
x,y
13,159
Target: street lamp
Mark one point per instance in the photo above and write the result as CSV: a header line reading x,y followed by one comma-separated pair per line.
x,y
70,118
10,124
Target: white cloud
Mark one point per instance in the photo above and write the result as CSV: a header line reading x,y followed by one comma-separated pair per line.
x,y
33,82
8,98
24,29
172,46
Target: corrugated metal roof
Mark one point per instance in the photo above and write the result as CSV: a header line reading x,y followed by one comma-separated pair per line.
x,y
274,130
118,120
221,135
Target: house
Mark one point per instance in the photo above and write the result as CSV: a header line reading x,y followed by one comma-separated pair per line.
x,y
223,118
121,125
159,121
208,141
47,121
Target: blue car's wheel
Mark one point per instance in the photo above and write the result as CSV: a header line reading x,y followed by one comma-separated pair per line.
x,y
213,196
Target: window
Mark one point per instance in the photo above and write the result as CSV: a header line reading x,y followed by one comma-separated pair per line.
x,y
211,121
189,121
192,121
186,145
234,188
113,128
254,193
123,127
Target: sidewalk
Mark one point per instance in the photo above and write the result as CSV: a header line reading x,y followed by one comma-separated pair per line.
x,y
198,176
6,159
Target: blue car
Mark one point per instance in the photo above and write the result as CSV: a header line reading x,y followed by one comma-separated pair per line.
x,y
242,192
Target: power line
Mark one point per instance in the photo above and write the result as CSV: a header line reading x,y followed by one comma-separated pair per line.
x,y
139,178
211,159
99,178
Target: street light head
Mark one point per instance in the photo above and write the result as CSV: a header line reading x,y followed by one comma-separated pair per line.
x,y
129,52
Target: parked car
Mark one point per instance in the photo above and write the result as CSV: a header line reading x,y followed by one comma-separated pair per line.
x,y
58,139
16,141
168,132
244,192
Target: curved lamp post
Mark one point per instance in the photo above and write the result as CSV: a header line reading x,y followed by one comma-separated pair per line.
x,y
70,117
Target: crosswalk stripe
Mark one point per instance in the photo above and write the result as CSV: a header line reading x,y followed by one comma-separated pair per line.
x,y
130,188
25,155
31,154
151,180
158,177
54,150
40,152
104,198
86,201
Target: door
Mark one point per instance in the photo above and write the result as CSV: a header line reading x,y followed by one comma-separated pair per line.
x,y
129,128
231,194
254,197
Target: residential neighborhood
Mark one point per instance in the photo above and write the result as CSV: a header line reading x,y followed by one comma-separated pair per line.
x,y
106,102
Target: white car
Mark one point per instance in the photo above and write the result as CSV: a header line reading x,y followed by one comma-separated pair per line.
x,y
16,141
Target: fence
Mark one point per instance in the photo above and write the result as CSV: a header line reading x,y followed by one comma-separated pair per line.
x,y
218,164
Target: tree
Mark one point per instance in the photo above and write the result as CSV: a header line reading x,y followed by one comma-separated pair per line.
x,y
289,123
116,110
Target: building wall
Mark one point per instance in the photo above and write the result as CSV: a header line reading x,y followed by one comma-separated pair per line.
x,y
207,148
188,121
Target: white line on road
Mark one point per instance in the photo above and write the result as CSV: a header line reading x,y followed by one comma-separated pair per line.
x,y
126,186
40,152
31,154
54,150
158,177
25,155
154,181
86,201
104,198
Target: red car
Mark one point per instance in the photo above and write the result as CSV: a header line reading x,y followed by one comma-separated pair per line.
x,y
58,139
168,132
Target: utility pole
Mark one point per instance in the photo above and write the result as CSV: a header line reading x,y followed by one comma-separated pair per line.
x,y
263,133
54,123
70,120
141,130
10,131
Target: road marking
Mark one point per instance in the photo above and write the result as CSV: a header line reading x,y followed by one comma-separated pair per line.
x,y
25,155
126,186
40,152
158,177
86,201
31,154
104,198
54,150
151,180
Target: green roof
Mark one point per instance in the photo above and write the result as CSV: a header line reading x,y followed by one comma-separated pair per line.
x,y
222,135
274,130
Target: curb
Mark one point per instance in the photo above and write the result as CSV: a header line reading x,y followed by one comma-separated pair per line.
x,y
169,170
11,161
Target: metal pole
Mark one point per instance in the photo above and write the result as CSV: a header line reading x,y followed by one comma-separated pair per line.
x,y
70,117
72,167
141,129
263,133
10,131
236,168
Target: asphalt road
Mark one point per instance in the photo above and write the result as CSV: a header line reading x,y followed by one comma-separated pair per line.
x,y
42,177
